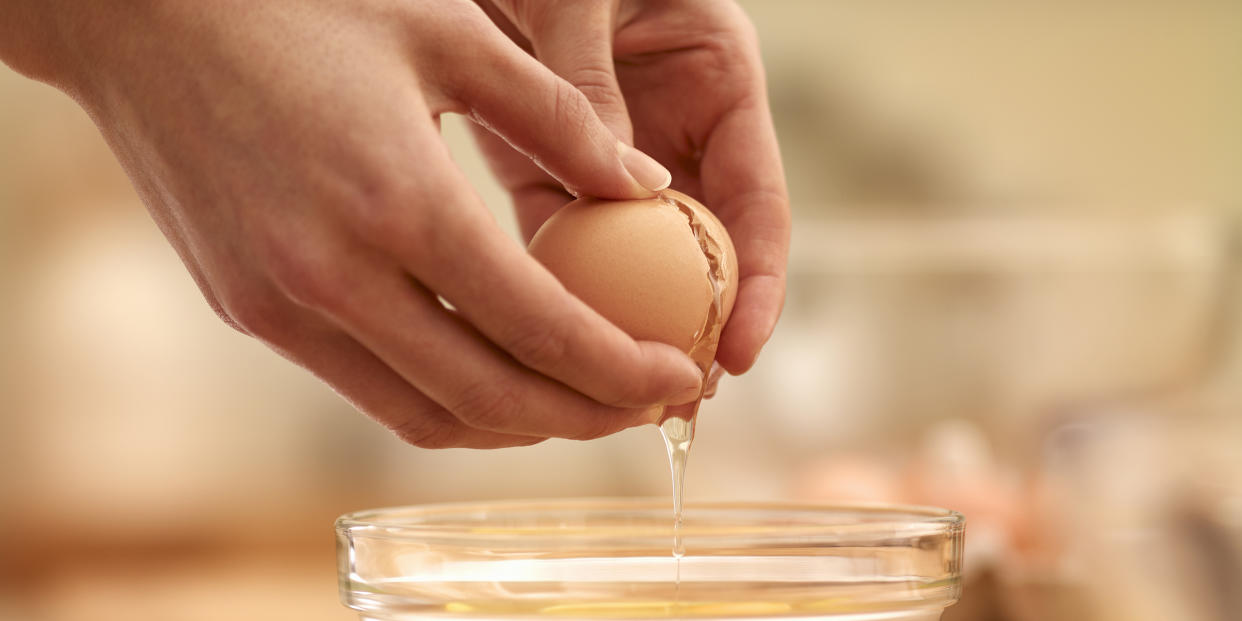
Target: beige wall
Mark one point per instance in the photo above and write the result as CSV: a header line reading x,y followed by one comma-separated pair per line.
x,y
1132,102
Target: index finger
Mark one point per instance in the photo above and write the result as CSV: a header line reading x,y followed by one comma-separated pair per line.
x,y
513,300
457,250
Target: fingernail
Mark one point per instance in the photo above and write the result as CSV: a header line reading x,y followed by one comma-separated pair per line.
x,y
645,170
683,396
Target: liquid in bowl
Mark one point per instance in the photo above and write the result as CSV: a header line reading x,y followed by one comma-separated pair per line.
x,y
611,559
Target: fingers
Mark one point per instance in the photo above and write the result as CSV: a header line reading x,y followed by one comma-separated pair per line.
x,y
411,363
744,183
443,357
375,389
453,246
739,176
521,354
521,307
574,40
760,298
536,196
363,379
518,305
549,120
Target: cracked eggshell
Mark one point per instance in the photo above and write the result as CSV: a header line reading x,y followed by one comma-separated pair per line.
x,y
639,264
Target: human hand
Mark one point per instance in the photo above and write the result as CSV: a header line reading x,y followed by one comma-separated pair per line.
x,y
290,152
688,75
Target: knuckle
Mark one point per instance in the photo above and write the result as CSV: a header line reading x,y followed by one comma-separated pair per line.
x,y
734,21
617,389
307,278
252,314
222,307
376,200
394,211
438,52
599,85
572,109
427,432
542,345
488,406
597,425
748,32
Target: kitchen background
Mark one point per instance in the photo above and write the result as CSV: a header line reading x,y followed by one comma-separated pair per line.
x,y
1013,292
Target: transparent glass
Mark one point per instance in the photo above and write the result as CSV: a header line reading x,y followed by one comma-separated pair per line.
x,y
589,559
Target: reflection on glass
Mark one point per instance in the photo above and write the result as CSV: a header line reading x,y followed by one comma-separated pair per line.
x,y
611,559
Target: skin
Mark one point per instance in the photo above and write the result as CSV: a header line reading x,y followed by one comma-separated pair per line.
x,y
290,152
683,81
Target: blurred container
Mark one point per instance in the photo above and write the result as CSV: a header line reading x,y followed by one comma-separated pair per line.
x,y
1069,382
589,559
1003,317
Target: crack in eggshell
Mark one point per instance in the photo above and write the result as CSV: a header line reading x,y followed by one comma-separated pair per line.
x,y
633,262
707,339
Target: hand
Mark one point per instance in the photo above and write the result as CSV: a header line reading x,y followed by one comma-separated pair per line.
x,y
688,75
290,152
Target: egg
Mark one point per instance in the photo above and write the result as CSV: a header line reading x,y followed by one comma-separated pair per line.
x,y
662,269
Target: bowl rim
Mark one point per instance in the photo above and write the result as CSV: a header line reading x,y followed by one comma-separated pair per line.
x,y
906,520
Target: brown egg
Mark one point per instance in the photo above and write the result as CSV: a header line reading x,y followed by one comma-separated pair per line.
x,y
647,265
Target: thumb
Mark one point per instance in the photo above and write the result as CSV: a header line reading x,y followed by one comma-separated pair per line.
x,y
549,120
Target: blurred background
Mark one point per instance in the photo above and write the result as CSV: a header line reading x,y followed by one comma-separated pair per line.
x,y
1013,292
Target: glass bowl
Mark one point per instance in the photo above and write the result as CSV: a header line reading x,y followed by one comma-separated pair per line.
x,y
613,559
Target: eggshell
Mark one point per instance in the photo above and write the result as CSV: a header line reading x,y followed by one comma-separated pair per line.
x,y
640,265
